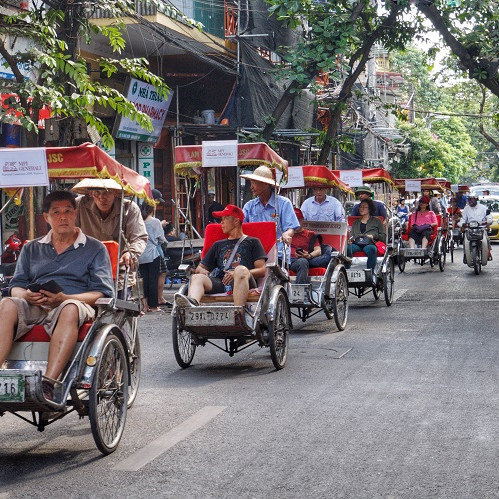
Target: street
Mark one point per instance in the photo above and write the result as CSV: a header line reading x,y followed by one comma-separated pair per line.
x,y
401,404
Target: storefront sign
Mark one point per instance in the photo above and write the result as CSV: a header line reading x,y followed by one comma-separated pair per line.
x,y
352,177
24,167
219,153
146,99
146,161
413,185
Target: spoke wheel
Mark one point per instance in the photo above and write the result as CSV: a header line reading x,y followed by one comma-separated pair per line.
x,y
108,396
388,282
129,329
183,346
278,332
340,301
451,249
400,258
442,256
375,291
477,259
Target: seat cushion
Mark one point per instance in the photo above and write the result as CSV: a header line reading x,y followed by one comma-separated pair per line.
x,y
38,333
316,271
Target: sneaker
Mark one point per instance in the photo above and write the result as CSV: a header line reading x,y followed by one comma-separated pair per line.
x,y
184,301
48,389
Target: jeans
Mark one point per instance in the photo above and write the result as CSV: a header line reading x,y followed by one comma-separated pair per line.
x,y
301,266
370,250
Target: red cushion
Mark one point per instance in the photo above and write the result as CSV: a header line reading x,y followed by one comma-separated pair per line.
x,y
265,231
313,272
112,248
38,333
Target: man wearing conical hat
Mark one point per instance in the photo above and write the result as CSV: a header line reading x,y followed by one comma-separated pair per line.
x,y
267,206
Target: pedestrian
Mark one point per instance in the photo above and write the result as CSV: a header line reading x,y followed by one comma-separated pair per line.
x,y
163,267
322,208
213,206
149,261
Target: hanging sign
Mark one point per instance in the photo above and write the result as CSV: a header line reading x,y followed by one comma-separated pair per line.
x,y
295,177
23,167
413,185
219,153
352,177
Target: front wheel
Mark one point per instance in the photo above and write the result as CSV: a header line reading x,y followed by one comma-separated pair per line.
x,y
108,396
400,258
476,255
442,256
340,300
388,282
278,331
183,346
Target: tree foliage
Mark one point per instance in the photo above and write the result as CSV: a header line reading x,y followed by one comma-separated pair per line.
x,y
55,31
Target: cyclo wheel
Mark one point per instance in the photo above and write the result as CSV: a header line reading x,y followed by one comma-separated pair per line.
x,y
278,332
108,396
388,282
400,257
451,250
340,301
131,334
442,255
375,292
183,346
477,259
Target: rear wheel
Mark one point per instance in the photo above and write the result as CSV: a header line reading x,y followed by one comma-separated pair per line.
x,y
451,250
183,346
442,255
108,396
129,329
278,331
388,282
400,257
340,300
476,254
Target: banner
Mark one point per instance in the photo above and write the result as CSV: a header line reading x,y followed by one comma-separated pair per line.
x,y
295,177
413,185
23,167
219,153
352,177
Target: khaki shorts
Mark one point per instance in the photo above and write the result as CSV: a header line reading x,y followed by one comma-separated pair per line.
x,y
33,315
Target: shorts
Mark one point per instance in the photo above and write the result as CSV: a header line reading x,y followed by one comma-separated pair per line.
x,y
33,315
219,287
163,269
418,236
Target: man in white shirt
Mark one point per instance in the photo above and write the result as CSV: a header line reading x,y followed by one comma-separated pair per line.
x,y
476,212
322,208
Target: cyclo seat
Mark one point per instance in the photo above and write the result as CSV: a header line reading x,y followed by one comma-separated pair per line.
x,y
405,235
381,249
265,231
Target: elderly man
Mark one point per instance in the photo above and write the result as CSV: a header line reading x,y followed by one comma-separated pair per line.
x,y
98,215
81,269
235,263
269,207
322,208
365,192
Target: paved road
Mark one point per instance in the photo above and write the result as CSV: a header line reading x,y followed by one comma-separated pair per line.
x,y
401,404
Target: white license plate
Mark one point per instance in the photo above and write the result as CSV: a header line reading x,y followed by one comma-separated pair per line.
x,y
297,293
196,317
11,388
356,276
456,232
414,252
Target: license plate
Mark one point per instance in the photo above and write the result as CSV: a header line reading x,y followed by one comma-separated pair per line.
x,y
456,232
11,388
297,293
356,276
196,317
414,252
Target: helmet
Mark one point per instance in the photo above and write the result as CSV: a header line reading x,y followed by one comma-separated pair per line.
x,y
365,189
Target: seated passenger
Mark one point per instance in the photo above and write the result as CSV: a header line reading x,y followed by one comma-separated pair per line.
x,y
365,232
422,222
81,267
223,269
454,211
301,259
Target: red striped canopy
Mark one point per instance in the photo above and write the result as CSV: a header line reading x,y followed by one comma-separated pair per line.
x,y
322,176
426,183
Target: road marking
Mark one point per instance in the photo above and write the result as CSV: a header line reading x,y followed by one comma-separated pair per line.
x,y
150,452
4,495
398,294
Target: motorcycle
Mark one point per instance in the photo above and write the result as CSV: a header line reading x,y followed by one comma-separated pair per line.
x,y
476,248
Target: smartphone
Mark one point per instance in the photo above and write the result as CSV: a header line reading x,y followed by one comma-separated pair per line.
x,y
50,286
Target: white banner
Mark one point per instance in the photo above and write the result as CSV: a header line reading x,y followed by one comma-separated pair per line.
x,y
23,167
413,185
295,177
352,177
219,153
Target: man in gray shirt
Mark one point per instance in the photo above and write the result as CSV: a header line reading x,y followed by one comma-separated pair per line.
x,y
79,265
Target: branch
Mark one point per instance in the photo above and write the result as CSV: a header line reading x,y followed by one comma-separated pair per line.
x,y
12,62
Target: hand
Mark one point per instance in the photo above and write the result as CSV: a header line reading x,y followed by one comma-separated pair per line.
x,y
126,259
53,300
228,277
370,236
35,298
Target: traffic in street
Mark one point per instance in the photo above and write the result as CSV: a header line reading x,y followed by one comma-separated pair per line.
x,y
401,403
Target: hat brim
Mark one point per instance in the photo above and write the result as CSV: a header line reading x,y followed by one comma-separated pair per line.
x,y
88,184
258,178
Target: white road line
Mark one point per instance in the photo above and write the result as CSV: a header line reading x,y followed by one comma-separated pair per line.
x,y
150,452
399,293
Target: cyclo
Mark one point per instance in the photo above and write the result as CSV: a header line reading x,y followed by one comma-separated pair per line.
x,y
102,378
328,287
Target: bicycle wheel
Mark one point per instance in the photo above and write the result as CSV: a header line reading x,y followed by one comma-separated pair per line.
x,y
340,301
442,256
278,331
129,329
388,282
183,346
451,249
476,254
108,396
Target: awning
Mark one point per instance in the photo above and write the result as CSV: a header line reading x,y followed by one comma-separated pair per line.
x,y
88,161
322,176
426,183
188,158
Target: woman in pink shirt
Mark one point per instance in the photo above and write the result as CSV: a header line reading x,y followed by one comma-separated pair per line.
x,y
422,222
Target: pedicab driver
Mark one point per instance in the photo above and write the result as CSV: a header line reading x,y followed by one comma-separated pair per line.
x,y
322,208
245,264
79,264
365,192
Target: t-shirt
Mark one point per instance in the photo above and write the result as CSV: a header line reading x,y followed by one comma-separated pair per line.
x,y
423,217
249,251
302,240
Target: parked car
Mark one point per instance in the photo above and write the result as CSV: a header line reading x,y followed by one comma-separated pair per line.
x,y
492,203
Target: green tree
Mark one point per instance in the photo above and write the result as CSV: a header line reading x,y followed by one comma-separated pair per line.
x,y
55,31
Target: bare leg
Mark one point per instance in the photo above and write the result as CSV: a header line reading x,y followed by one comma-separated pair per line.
x,y
199,285
241,285
161,289
424,243
8,313
412,243
63,340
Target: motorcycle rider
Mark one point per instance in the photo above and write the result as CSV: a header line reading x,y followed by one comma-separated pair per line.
x,y
476,212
